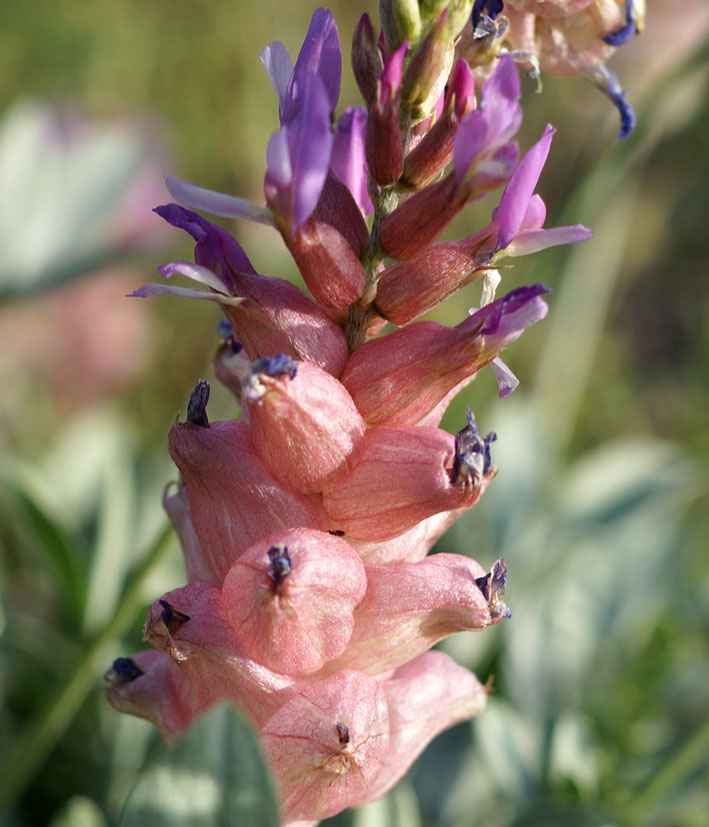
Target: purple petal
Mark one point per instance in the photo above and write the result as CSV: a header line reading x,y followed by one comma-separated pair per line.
x,y
217,203
462,86
347,159
491,173
279,66
536,214
215,248
500,102
298,157
531,241
468,142
507,317
185,292
202,275
617,94
621,36
320,55
278,181
486,130
506,380
310,143
515,199
391,76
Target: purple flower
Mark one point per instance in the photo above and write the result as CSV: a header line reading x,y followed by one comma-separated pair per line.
x,y
298,157
348,161
623,35
520,214
320,55
488,129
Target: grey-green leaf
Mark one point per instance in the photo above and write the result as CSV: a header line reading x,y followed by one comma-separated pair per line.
x,y
213,776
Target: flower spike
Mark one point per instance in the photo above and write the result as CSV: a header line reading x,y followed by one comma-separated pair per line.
x,y
312,601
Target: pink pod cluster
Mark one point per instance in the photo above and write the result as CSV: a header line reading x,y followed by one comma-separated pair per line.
x,y
312,602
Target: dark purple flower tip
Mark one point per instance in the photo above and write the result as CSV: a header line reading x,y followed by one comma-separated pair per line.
x,y
275,366
491,8
215,248
472,460
343,734
625,110
197,406
492,585
495,318
123,670
280,565
621,36
320,55
226,333
515,201
224,329
171,618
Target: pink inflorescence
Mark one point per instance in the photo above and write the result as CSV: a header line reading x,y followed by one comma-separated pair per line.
x,y
311,603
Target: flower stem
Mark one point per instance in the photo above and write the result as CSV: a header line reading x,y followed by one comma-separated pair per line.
x,y
360,313
56,716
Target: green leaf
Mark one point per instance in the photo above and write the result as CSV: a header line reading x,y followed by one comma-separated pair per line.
x,y
57,547
215,774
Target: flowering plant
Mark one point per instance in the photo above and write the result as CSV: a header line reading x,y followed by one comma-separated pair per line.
x,y
311,602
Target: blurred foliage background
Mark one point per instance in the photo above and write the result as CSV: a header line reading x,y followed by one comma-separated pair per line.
x,y
600,508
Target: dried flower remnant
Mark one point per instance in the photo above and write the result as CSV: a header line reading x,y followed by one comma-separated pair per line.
x,y
311,602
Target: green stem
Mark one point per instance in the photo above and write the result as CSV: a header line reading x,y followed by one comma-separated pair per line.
x,y
683,763
56,716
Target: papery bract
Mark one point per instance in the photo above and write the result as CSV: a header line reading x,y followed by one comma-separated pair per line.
x,y
307,429
328,744
424,697
409,608
275,316
233,499
403,476
191,626
295,623
400,378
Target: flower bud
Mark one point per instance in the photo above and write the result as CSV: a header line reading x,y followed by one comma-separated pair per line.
x,y
233,499
191,626
425,696
384,149
435,150
409,608
420,219
304,424
329,266
428,69
400,378
328,744
276,317
366,58
291,596
410,288
151,685
403,476
401,20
